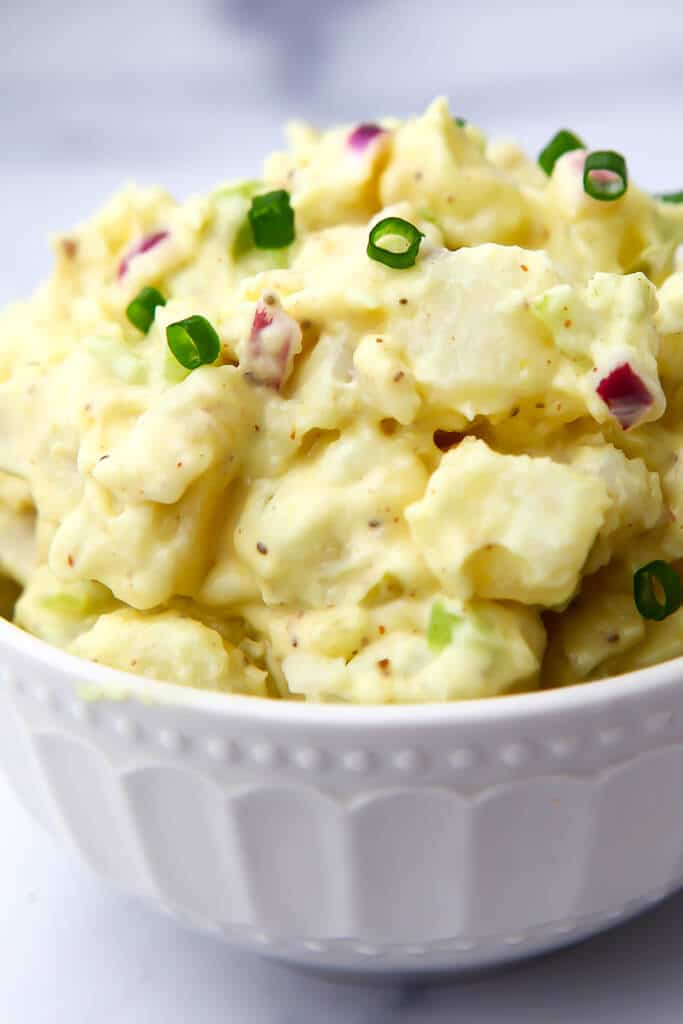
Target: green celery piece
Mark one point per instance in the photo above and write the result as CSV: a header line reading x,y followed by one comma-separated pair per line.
x,y
440,627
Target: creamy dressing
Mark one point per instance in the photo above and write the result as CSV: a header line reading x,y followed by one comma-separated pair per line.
x,y
495,432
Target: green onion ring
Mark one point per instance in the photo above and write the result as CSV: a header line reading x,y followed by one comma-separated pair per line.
x,y
670,197
563,142
141,310
405,230
193,341
605,160
645,597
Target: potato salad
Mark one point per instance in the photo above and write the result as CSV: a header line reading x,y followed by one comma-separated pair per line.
x,y
399,421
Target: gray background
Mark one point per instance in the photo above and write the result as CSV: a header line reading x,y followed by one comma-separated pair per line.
x,y
93,94
187,93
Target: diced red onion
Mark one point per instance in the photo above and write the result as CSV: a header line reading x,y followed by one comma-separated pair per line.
x,y
625,394
603,177
140,247
274,341
262,318
361,137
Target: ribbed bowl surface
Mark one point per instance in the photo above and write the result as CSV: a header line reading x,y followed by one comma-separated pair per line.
x,y
405,838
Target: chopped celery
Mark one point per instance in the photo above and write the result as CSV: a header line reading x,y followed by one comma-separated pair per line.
x,y
440,627
174,371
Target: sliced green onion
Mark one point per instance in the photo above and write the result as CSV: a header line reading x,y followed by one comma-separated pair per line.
x,y
193,342
460,121
272,220
141,310
396,227
647,598
605,187
670,197
440,627
563,142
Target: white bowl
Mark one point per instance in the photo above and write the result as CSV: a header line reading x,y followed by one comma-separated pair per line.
x,y
362,838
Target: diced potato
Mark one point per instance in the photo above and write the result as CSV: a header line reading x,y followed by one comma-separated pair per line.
x,y
340,509
171,648
442,166
493,649
507,526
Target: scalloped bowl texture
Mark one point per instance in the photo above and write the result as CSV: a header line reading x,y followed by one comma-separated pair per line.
x,y
361,838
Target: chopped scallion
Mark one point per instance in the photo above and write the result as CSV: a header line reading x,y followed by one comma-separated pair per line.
x,y
563,142
193,341
605,176
272,220
657,590
395,227
671,197
142,309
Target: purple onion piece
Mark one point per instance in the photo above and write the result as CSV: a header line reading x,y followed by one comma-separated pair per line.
x,y
361,136
625,394
269,362
140,247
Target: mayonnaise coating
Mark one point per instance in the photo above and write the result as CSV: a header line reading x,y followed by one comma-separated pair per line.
x,y
493,435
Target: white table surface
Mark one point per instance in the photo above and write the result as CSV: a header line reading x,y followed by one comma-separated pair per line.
x,y
75,951
93,94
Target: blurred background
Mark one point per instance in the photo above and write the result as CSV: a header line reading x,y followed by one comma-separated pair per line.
x,y
187,92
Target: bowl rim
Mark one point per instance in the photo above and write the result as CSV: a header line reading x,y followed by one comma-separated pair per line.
x,y
108,684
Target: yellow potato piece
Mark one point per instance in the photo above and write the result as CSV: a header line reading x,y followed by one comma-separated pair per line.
x,y
171,648
507,526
